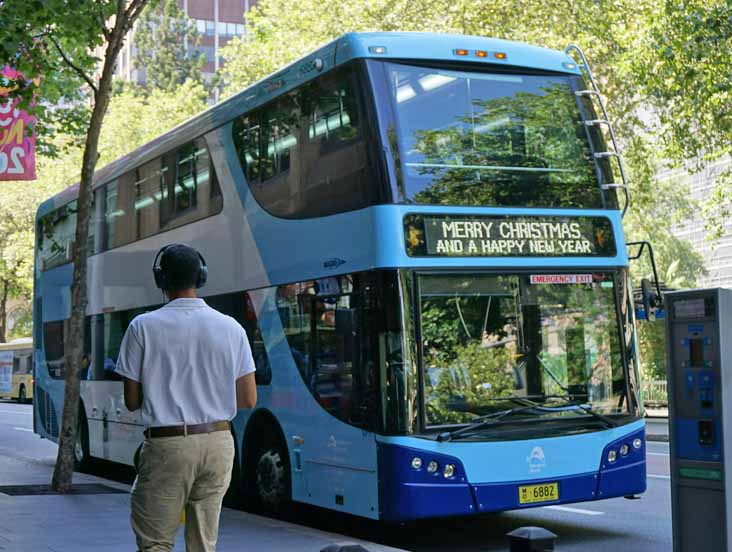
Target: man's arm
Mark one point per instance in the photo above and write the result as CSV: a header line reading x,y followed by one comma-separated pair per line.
x,y
133,394
129,366
246,392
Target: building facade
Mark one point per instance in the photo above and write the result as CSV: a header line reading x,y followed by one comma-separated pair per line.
x,y
717,253
217,22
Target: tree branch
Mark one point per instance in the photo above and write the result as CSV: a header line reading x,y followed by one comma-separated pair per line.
x,y
71,64
134,9
102,22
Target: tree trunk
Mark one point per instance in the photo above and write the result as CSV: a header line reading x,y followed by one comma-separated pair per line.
x,y
74,342
4,311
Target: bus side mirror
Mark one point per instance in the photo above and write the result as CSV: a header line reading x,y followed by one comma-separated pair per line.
x,y
650,299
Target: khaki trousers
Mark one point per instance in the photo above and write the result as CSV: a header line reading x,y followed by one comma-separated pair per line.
x,y
175,473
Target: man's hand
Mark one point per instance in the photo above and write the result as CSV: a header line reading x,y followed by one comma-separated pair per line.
x,y
133,394
246,392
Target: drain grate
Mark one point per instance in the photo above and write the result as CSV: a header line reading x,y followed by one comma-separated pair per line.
x,y
80,489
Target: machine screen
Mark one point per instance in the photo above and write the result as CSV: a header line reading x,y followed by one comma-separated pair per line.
x,y
696,351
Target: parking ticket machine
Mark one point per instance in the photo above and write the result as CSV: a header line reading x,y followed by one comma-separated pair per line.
x,y
699,356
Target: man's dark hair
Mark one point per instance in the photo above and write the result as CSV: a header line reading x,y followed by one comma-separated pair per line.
x,y
181,265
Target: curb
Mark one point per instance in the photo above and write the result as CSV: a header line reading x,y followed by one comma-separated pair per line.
x,y
657,438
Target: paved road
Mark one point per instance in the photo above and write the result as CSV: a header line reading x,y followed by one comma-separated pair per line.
x,y
611,525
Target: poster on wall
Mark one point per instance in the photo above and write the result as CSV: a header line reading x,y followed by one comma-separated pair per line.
x,y
6,371
17,140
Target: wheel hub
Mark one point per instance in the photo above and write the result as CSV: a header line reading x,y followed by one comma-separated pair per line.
x,y
270,477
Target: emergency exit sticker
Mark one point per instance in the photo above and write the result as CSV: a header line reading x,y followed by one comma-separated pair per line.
x,y
561,278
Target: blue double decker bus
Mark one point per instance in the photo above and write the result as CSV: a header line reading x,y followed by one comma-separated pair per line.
x,y
421,235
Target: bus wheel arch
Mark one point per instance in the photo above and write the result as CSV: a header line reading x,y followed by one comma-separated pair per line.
x,y
266,476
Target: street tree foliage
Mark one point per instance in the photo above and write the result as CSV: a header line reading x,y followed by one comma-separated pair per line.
x,y
16,228
18,204
68,45
685,73
163,38
134,118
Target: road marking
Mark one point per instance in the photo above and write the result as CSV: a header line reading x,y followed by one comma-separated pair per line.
x,y
654,476
575,510
22,429
657,453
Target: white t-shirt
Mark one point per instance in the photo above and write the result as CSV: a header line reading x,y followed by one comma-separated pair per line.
x,y
188,357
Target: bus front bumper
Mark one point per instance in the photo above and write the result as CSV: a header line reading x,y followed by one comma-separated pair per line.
x,y
406,493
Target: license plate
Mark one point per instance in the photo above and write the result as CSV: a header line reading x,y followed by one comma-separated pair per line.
x,y
546,492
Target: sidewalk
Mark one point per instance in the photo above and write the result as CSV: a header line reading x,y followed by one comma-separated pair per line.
x,y
100,522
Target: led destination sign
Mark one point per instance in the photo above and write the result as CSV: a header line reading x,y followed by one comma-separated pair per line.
x,y
508,236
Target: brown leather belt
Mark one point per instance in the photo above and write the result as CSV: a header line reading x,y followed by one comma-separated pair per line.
x,y
173,431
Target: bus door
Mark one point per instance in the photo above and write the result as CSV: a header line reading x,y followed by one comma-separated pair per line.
x,y
341,377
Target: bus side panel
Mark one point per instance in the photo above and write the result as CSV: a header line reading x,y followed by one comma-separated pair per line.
x,y
333,464
114,432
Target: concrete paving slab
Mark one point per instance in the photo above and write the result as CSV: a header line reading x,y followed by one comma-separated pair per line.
x,y
100,522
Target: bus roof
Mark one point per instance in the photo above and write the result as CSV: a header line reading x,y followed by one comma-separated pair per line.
x,y
18,344
402,46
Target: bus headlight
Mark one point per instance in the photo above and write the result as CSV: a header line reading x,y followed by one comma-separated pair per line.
x,y
612,456
433,466
637,443
449,471
417,463
624,450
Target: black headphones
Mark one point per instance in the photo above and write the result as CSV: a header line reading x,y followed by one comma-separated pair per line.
x,y
161,279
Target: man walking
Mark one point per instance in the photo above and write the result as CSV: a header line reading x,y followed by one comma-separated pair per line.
x,y
189,368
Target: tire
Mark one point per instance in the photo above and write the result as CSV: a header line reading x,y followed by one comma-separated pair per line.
x,y
82,459
268,477
22,399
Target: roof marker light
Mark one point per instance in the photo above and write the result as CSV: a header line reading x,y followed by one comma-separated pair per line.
x,y
377,49
481,53
569,65
461,52
499,55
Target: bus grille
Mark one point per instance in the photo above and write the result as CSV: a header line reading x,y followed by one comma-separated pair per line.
x,y
47,413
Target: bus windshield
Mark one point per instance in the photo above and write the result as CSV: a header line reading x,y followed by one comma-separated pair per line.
x,y
506,139
490,342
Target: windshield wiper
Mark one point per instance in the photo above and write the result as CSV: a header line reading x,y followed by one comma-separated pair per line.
x,y
483,421
495,417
